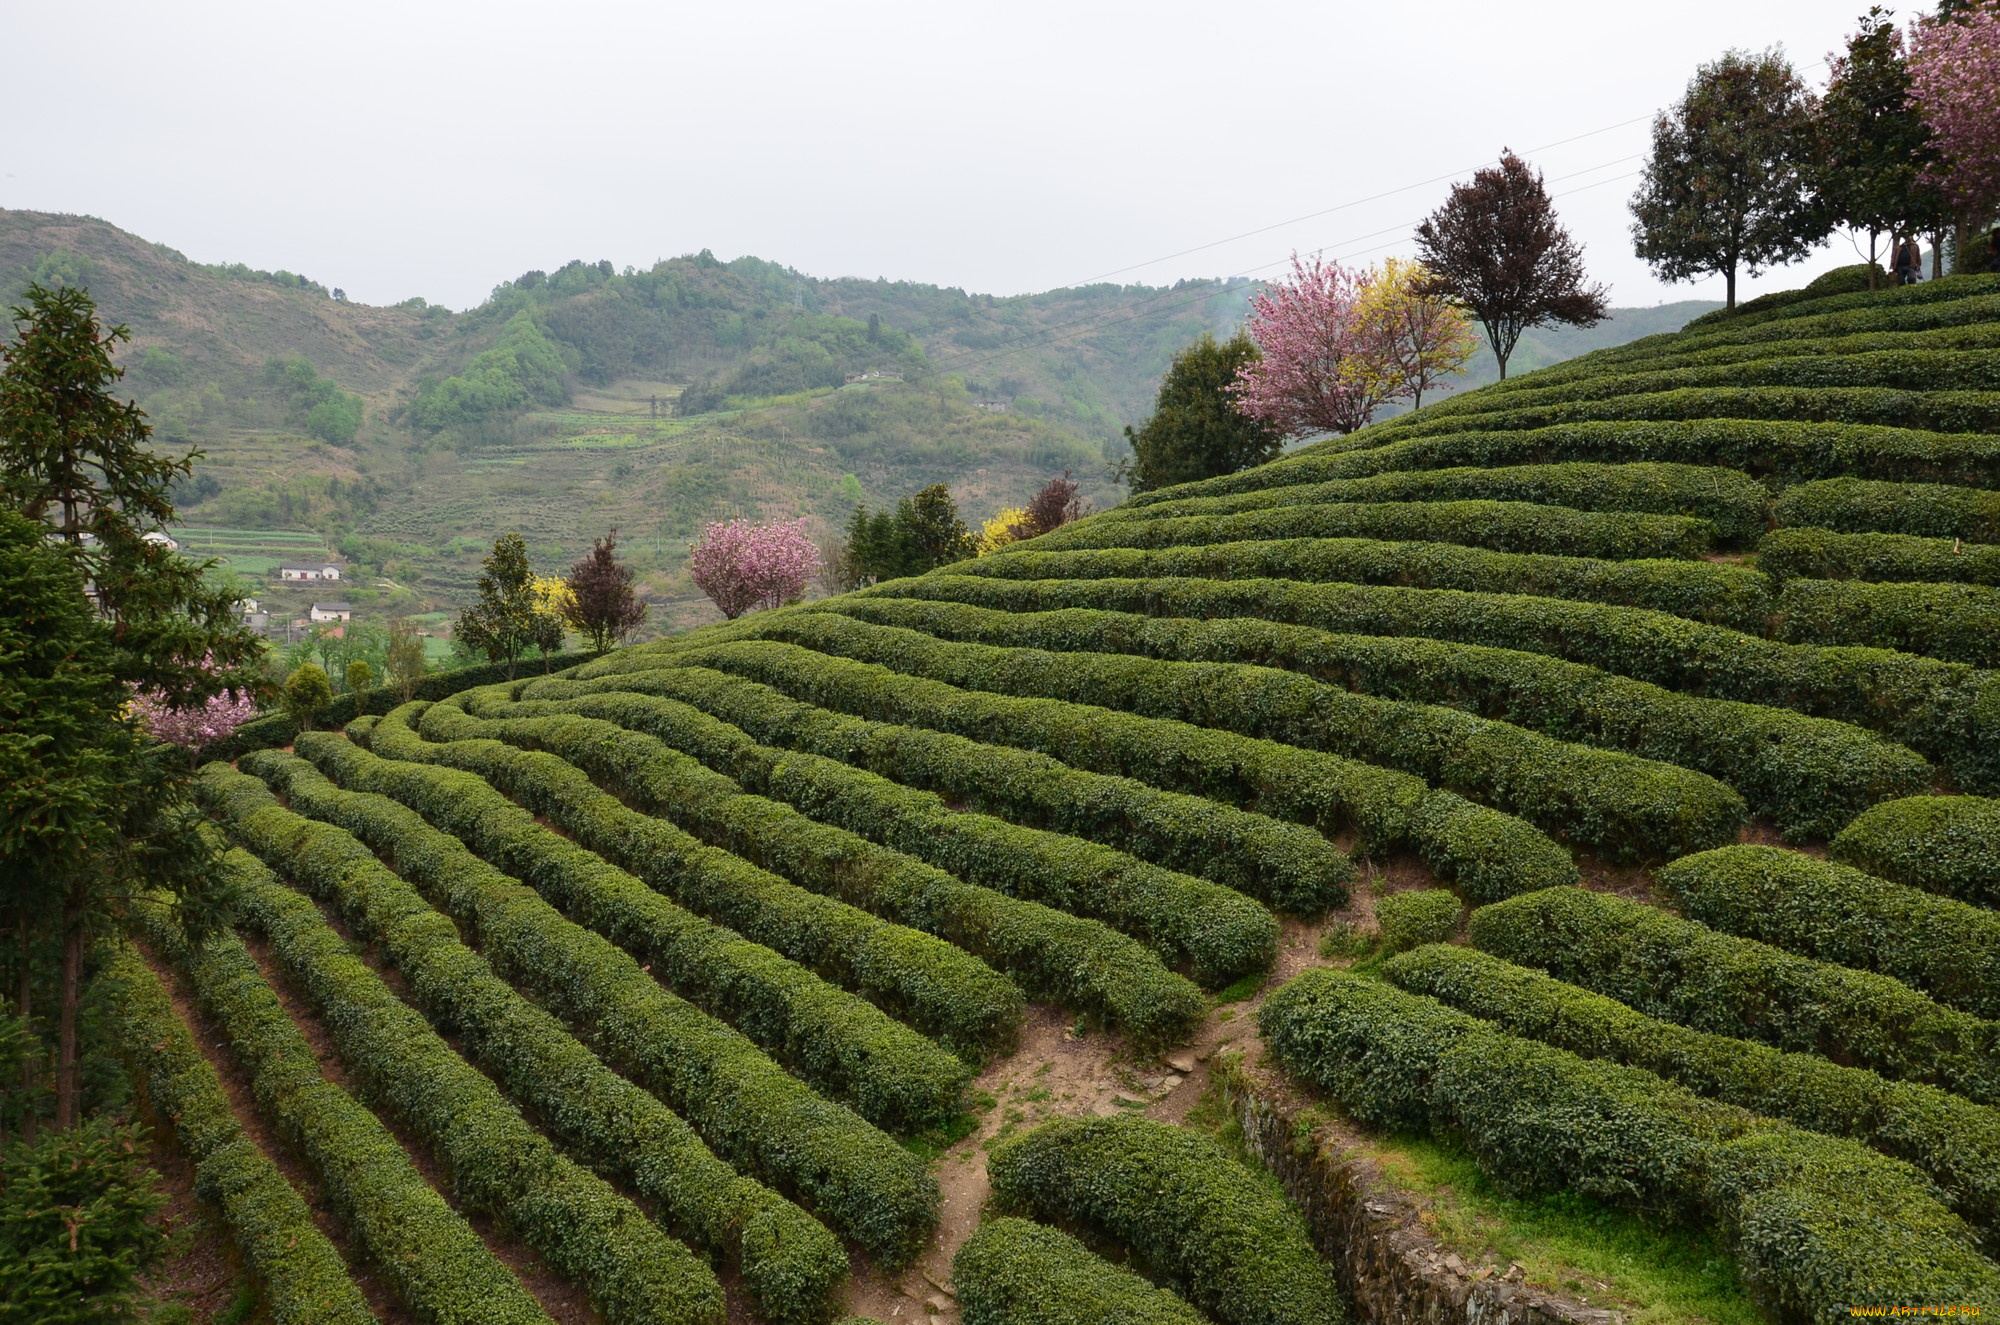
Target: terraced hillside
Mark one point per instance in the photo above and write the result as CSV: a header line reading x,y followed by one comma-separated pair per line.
x,y
739,972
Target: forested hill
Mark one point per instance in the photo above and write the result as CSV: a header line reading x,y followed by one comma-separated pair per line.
x,y
585,397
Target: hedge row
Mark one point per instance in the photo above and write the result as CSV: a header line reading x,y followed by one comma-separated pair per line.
x,y
1819,1225
424,1250
1080,963
1686,972
1955,1142
1953,622
1948,711
1835,913
1286,865
1786,451
1822,554
498,1163
753,1114
1730,500
1215,1232
1625,807
1489,854
1222,934
1943,844
1711,591
1967,298
792,1266
1503,526
1871,506
892,1075
302,1278
1810,775
1012,1272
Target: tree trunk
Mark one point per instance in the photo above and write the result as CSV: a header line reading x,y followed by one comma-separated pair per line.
x,y
1937,255
27,1060
68,1077
1871,259
1730,273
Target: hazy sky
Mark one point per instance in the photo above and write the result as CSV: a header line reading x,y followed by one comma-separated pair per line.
x,y
427,148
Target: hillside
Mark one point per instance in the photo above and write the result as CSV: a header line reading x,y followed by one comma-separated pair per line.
x,y
1555,831
405,439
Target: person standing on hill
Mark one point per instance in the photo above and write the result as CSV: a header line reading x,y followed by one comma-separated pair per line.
x,y
1908,262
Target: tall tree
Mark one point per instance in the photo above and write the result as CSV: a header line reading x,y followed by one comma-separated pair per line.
x,y
1416,339
1728,184
1496,248
1197,430
1955,87
1871,144
505,621
406,664
936,531
602,605
742,565
1317,368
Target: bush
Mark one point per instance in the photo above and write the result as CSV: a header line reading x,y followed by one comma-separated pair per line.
x,y
1730,500
1504,526
1808,774
791,1265
426,1252
1943,844
1954,622
301,1275
1954,1141
1012,1272
1224,934
1710,591
1078,962
1624,807
1872,506
1836,914
1843,295
1819,1225
1685,972
846,1046
1824,555
1213,1230
1489,854
499,1164
754,1114
1429,915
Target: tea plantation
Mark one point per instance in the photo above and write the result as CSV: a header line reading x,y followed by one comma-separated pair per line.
x,y
1675,663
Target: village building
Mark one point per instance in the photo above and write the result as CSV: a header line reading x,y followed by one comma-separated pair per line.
x,y
332,612
308,570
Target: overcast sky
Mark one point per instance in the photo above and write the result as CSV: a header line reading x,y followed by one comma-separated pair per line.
x,y
434,149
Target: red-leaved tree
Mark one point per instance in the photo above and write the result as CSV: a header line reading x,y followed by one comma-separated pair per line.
x,y
1955,87
1316,369
1059,501
743,565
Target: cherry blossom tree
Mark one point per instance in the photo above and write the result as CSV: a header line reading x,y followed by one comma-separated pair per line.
x,y
1955,87
743,565
197,727
1318,368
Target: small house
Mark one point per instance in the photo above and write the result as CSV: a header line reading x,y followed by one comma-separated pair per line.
x,y
308,570
332,612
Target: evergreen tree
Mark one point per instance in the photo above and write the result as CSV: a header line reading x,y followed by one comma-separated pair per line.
x,y
1871,144
507,619
935,530
1196,430
1728,182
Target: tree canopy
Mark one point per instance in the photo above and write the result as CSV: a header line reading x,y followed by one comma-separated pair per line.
x,y
1196,429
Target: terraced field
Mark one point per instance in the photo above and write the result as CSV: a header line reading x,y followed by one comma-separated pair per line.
x,y
731,974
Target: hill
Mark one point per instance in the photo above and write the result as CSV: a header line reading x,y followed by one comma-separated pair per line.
x,y
1554,830
404,439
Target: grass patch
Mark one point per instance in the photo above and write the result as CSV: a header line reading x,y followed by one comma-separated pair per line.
x,y
1241,992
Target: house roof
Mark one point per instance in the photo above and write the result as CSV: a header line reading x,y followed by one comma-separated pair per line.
x,y
308,565
332,607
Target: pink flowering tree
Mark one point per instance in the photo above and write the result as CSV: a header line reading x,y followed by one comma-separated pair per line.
x,y
194,729
1320,367
743,565
1955,87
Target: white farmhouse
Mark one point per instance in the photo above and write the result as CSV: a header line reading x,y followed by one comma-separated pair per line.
x,y
332,612
308,570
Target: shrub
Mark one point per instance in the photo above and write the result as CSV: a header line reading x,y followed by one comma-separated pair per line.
x,y
1428,915
1819,1225
841,1043
755,1115
1224,934
1683,971
301,1274
1953,1140
1214,1231
1824,555
1730,500
1809,774
1955,622
1943,844
791,1265
1625,807
1503,526
1489,854
1872,506
427,1253
1012,1272
1710,591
